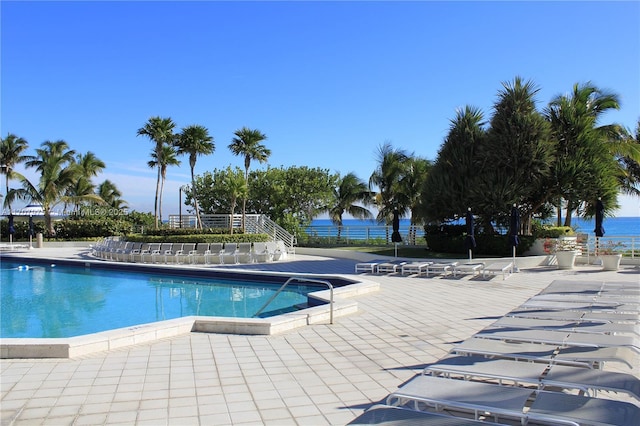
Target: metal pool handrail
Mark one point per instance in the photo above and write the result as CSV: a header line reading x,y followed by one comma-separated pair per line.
x,y
302,279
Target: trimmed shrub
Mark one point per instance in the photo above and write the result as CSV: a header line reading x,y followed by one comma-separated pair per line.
x,y
199,238
88,228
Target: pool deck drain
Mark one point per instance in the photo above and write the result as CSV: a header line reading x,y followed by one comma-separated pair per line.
x,y
319,374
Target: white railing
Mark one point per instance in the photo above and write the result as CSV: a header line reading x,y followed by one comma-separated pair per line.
x,y
375,234
254,224
628,245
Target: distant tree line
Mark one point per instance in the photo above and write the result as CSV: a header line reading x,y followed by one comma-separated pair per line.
x,y
558,160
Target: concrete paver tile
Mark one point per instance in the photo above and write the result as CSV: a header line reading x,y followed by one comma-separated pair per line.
x,y
319,374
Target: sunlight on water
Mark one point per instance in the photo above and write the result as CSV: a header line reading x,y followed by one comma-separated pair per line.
x,y
40,301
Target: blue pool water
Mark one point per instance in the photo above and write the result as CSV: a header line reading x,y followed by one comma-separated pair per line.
x,y
65,301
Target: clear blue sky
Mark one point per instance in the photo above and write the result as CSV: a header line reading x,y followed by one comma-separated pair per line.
x,y
327,82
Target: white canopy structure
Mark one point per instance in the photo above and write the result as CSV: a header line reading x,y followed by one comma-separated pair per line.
x,y
34,210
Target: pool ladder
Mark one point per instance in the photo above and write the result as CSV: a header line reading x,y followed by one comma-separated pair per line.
x,y
302,279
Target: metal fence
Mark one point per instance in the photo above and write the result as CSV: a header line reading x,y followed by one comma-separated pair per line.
x,y
362,234
253,224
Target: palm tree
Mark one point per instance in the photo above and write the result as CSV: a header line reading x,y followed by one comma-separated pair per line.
x,y
247,143
629,160
195,140
88,166
11,149
160,131
412,185
350,191
392,167
446,191
167,156
517,155
108,191
584,168
236,186
58,172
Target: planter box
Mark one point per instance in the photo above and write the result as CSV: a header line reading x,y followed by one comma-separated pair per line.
x,y
610,262
566,259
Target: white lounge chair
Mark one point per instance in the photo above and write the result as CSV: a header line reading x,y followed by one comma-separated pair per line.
x,y
96,246
586,380
149,252
473,268
136,253
244,253
560,338
507,350
261,253
171,253
284,250
591,380
183,254
161,252
556,407
504,371
199,255
417,268
369,267
275,250
479,399
588,357
564,325
597,357
125,254
504,268
441,268
390,267
228,253
574,315
104,247
388,415
214,253
125,247
509,402
110,252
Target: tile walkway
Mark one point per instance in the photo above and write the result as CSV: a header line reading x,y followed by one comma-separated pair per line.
x,y
316,375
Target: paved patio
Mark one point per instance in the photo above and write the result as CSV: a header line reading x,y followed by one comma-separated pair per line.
x,y
315,375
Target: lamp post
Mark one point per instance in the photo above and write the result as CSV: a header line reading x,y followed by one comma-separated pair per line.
x,y
180,206
183,188
30,232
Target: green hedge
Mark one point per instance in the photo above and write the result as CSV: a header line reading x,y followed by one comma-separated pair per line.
x,y
22,229
88,228
545,231
486,245
169,232
199,238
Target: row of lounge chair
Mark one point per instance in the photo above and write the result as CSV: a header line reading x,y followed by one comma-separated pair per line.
x,y
543,363
189,253
418,268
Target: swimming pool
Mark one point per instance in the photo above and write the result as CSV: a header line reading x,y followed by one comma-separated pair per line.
x,y
51,301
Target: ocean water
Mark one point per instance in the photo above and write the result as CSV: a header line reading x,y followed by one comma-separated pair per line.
x,y
614,226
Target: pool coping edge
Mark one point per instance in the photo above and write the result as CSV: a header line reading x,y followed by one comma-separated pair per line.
x,y
72,347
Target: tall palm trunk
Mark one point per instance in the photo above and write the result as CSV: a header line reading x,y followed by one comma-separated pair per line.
x,y
48,223
195,199
7,186
559,211
160,198
155,205
244,199
233,209
568,215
